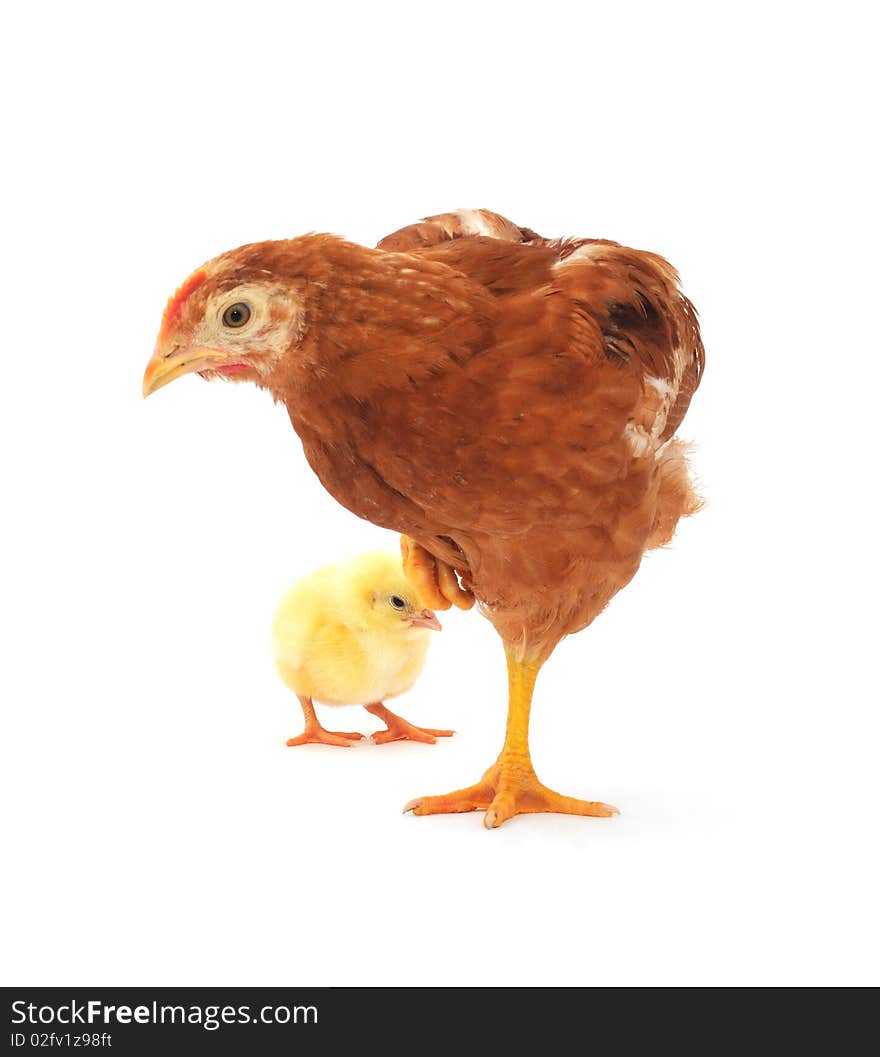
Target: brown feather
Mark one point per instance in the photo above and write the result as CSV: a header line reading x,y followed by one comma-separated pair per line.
x,y
503,399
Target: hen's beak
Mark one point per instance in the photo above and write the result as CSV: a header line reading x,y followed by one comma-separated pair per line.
x,y
427,619
170,363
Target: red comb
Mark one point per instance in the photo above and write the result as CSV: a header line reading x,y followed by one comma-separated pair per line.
x,y
176,303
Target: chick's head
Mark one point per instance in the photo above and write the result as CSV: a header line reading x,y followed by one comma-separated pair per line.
x,y
383,597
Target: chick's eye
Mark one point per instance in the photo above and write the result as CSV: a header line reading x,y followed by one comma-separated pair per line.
x,y
236,315
397,602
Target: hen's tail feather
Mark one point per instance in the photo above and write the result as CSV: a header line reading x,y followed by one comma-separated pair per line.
x,y
676,495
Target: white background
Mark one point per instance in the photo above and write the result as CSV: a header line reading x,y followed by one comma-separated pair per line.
x,y
157,830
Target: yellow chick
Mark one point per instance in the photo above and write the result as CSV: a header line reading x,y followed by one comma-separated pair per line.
x,y
354,634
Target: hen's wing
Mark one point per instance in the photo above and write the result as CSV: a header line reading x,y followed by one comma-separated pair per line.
x,y
647,325
632,296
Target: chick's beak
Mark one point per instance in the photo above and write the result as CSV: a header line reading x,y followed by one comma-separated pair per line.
x,y
170,362
426,619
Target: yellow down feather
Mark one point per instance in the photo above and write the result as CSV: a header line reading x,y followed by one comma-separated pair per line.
x,y
338,639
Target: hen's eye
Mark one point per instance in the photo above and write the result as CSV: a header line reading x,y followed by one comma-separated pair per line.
x,y
397,602
236,315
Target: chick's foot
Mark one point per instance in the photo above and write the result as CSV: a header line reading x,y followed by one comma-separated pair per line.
x,y
504,792
319,736
398,729
314,734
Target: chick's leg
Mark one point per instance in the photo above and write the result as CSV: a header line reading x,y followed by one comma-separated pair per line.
x,y
510,786
399,730
314,734
435,581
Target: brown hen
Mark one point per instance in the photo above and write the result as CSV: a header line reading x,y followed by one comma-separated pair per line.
x,y
506,402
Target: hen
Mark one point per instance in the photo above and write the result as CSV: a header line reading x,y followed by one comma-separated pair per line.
x,y
506,402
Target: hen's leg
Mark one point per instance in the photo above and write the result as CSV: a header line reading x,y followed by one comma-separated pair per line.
x,y
511,787
435,580
400,730
314,734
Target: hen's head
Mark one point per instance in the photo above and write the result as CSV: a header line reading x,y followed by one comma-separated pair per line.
x,y
233,318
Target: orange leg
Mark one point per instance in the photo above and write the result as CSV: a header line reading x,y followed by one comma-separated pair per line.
x,y
435,581
314,734
400,730
510,786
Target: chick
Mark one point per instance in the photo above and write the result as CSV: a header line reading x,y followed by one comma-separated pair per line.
x,y
354,634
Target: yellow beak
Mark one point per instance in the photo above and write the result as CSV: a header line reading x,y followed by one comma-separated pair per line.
x,y
168,364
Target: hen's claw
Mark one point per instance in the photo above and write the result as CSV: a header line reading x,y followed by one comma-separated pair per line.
x,y
435,581
502,798
474,798
541,799
450,587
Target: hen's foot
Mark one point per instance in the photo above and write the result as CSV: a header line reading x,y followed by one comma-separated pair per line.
x,y
435,581
398,729
319,736
538,798
502,794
